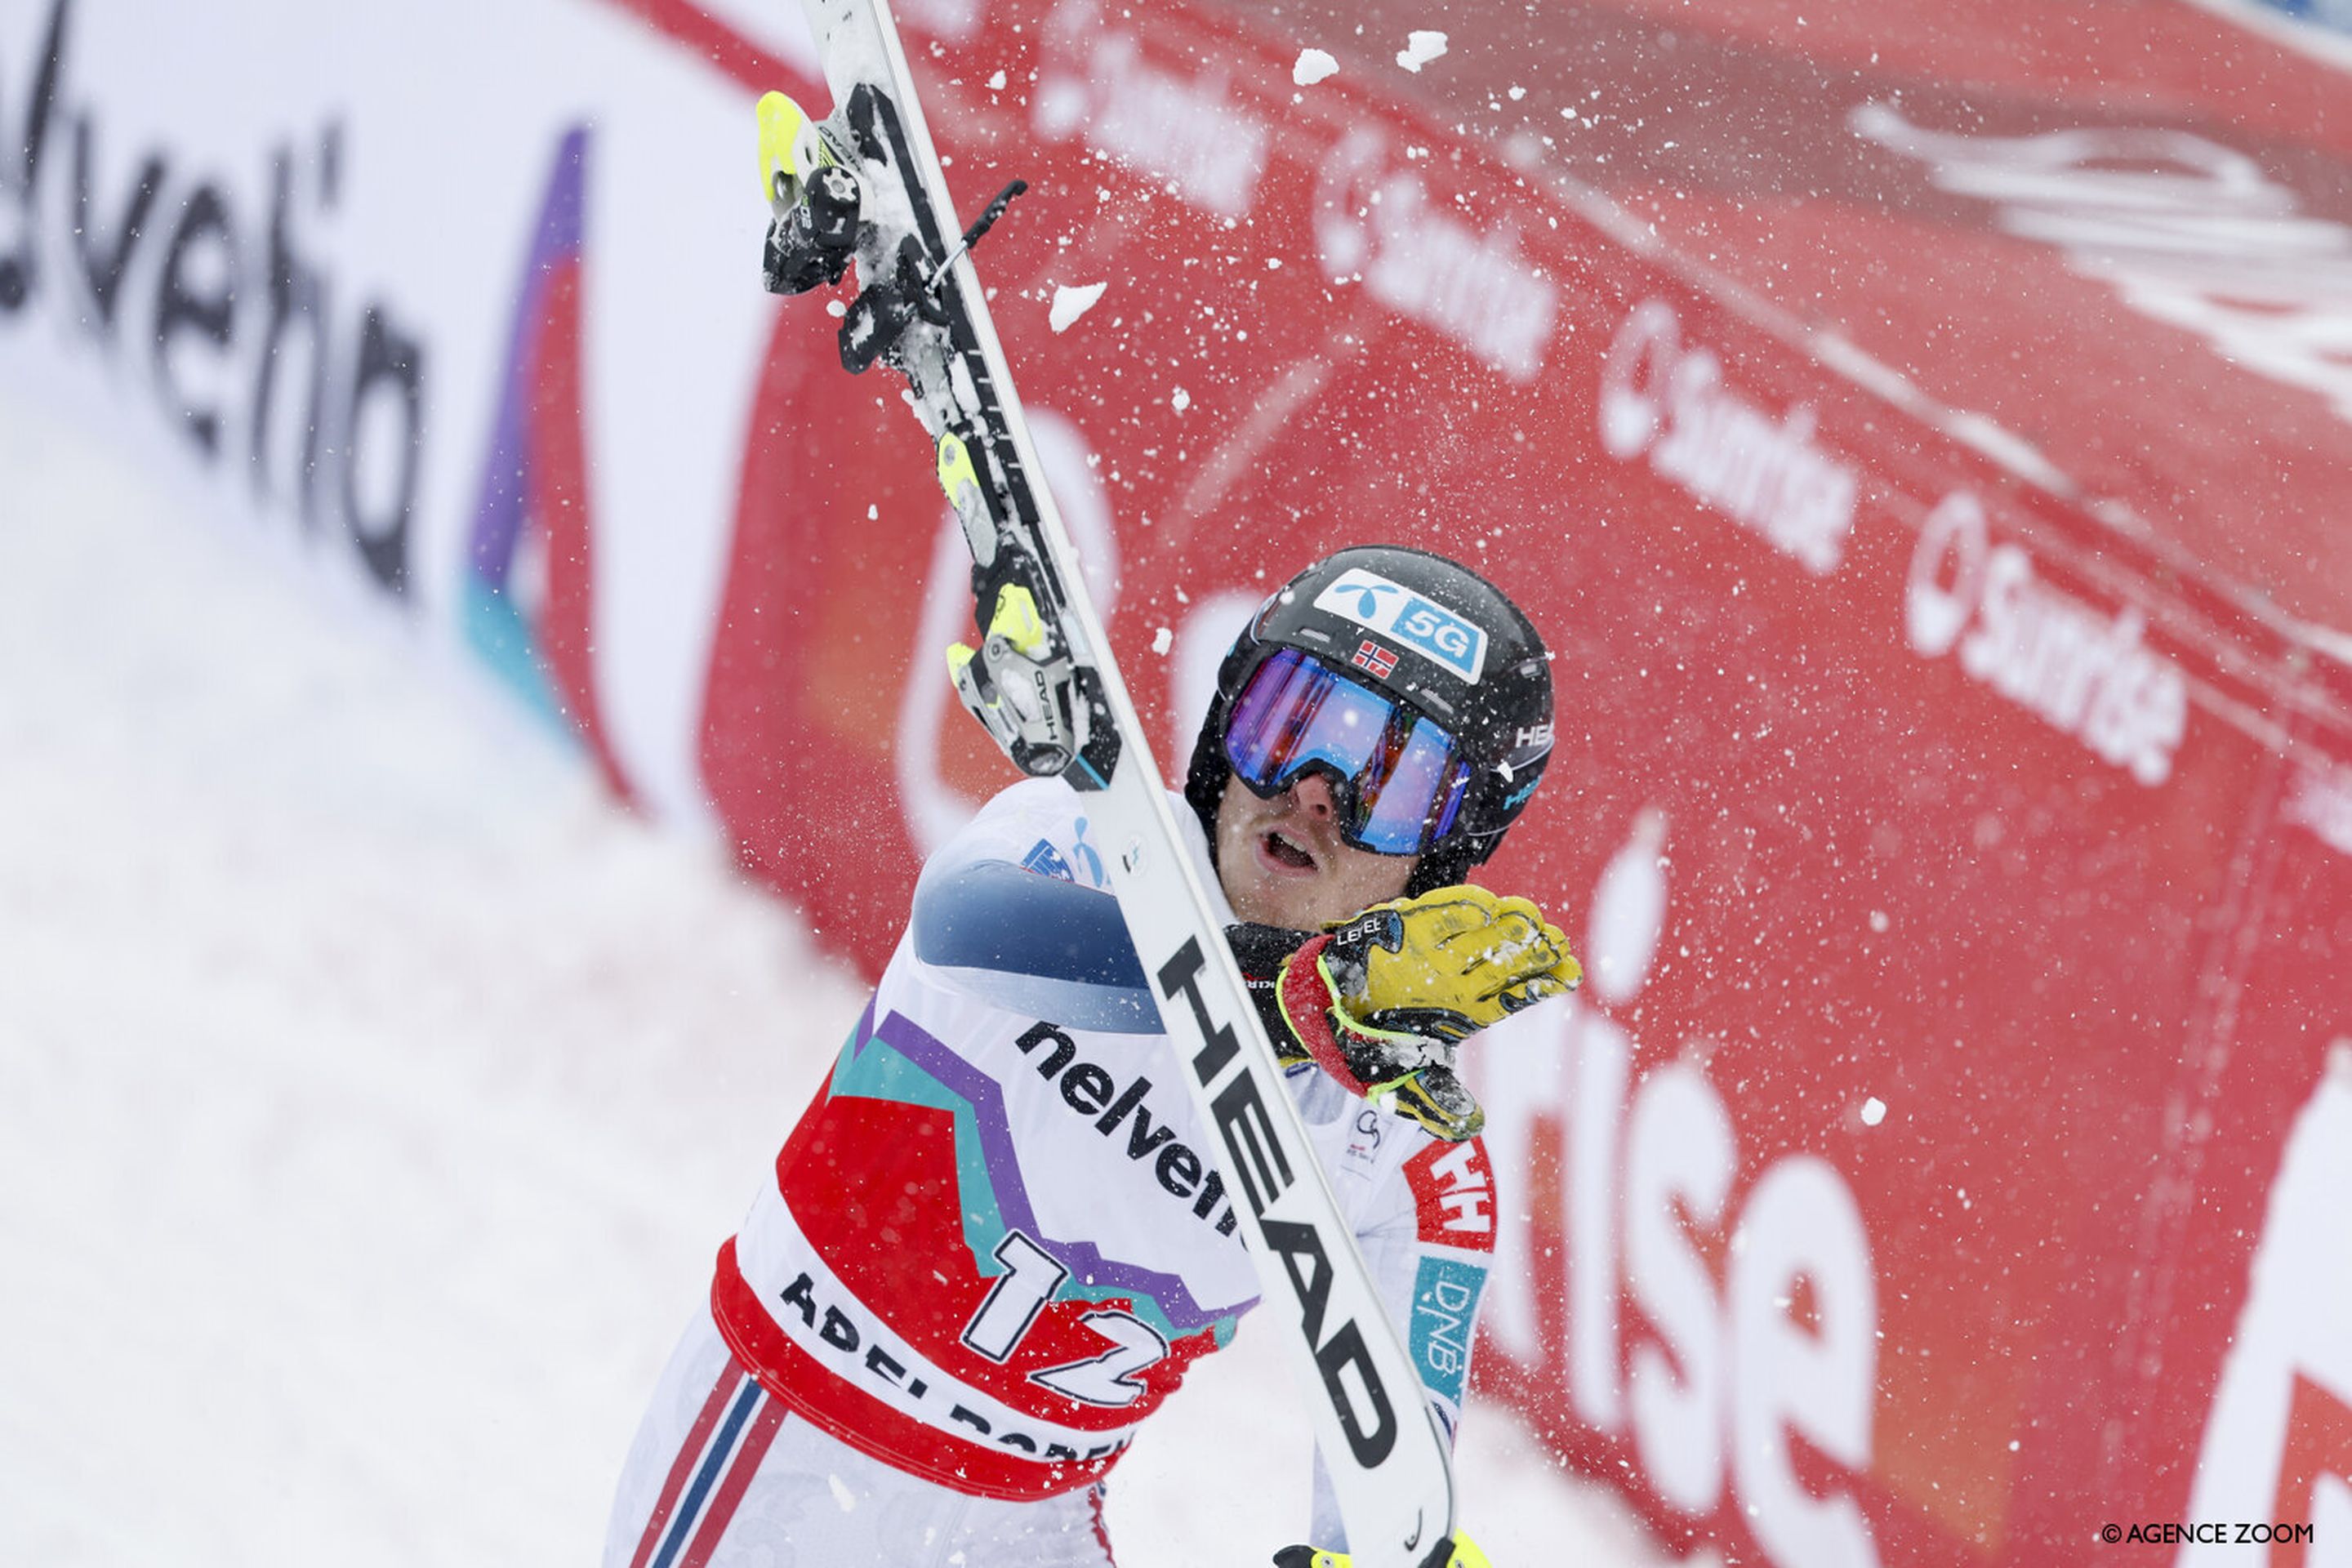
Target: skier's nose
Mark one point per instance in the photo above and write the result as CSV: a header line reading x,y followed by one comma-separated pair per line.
x,y
1313,793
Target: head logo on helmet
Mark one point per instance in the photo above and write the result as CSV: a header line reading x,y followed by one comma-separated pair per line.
x,y
1449,653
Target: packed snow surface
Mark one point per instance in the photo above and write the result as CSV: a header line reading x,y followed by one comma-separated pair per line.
x,y
378,1092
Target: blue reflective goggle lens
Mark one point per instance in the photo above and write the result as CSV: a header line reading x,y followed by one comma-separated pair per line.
x,y
1399,778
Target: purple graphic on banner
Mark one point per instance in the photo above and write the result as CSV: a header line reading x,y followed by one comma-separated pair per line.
x,y
505,590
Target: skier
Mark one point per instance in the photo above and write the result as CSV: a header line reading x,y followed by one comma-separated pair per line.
x,y
995,1240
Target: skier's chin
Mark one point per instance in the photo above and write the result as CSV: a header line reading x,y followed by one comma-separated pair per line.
x,y
1279,896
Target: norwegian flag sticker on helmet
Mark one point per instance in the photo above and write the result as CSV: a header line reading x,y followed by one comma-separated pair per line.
x,y
1371,656
1375,602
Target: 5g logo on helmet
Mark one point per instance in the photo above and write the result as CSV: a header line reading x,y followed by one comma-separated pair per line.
x,y
1371,601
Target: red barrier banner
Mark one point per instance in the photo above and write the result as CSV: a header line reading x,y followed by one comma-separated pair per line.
x,y
1932,492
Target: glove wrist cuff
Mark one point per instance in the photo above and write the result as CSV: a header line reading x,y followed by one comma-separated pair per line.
x,y
1307,1009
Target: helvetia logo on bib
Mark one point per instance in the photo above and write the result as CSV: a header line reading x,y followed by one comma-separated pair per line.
x,y
1372,601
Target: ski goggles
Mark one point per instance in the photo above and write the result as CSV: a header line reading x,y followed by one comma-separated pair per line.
x,y
1398,778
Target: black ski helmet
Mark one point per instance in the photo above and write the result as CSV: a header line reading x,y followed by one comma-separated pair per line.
x,y
1430,636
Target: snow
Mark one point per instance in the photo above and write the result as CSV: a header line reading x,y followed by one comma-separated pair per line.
x,y
1313,66
378,1091
1420,49
1070,303
1874,1112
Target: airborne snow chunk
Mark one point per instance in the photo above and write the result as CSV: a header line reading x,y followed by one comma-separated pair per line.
x,y
1420,49
1313,66
1069,304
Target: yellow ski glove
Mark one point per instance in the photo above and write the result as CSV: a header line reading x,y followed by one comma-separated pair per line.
x,y
1382,1001
1447,963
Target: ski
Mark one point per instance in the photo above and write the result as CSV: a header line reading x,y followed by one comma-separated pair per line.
x,y
864,186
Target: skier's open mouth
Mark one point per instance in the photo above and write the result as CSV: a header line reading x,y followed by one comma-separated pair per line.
x,y
1286,854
